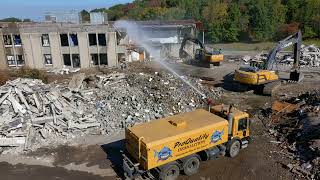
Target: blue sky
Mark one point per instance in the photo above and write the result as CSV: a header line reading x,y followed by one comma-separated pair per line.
x,y
35,9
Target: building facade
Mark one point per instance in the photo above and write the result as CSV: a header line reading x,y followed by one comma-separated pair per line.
x,y
58,45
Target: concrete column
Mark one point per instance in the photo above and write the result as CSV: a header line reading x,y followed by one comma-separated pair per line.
x,y
27,50
55,45
36,51
84,50
3,57
111,49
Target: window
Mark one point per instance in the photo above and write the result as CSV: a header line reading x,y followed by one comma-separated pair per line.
x,y
11,60
7,40
73,39
66,60
102,39
45,40
94,59
17,40
103,59
99,59
92,39
75,60
20,60
242,124
64,39
47,59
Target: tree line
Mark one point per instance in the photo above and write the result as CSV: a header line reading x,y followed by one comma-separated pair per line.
x,y
230,20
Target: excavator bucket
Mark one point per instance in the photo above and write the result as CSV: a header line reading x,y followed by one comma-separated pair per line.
x,y
296,76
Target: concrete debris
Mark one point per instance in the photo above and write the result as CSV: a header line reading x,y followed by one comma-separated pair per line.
x,y
15,141
310,56
33,114
76,82
298,133
64,70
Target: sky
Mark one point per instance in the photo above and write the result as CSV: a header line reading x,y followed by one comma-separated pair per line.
x,y
35,9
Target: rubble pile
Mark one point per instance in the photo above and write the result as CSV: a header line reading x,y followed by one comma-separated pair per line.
x,y
34,114
298,133
310,57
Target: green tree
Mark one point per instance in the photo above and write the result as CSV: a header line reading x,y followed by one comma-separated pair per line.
x,y
232,25
11,19
311,19
265,17
193,8
215,15
85,16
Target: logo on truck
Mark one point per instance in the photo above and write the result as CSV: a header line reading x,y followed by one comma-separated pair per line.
x,y
216,136
163,154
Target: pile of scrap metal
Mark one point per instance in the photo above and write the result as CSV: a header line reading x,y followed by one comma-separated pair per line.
x,y
295,125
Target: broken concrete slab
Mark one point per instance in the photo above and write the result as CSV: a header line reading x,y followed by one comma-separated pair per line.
x,y
76,82
14,141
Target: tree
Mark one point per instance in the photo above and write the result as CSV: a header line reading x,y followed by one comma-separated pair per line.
x,y
215,15
265,17
232,25
85,16
11,19
311,19
193,8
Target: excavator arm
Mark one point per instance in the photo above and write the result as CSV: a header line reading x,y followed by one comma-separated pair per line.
x,y
294,40
182,52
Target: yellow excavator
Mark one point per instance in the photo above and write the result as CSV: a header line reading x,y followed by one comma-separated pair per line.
x,y
202,57
260,75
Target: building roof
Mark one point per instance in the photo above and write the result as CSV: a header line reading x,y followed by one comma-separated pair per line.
x,y
45,27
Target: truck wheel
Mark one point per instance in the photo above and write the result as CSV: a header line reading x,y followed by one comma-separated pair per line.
x,y
234,148
169,172
191,165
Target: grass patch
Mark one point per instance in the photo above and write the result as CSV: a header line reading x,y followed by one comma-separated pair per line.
x,y
312,41
262,46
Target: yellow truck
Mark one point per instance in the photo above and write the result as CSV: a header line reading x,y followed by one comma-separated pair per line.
x,y
162,148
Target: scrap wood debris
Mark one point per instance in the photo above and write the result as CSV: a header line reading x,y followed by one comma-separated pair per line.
x,y
297,132
34,114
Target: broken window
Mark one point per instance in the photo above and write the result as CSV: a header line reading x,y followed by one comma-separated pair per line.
x,y
47,59
7,40
20,60
17,40
92,39
102,39
66,60
94,59
64,39
11,60
75,60
103,59
45,40
73,39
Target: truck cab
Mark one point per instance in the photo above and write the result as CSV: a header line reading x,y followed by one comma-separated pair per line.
x,y
239,122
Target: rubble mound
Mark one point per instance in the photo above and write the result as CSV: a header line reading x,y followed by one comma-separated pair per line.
x,y
298,133
34,114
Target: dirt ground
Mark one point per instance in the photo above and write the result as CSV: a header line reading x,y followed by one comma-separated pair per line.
x,y
100,157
